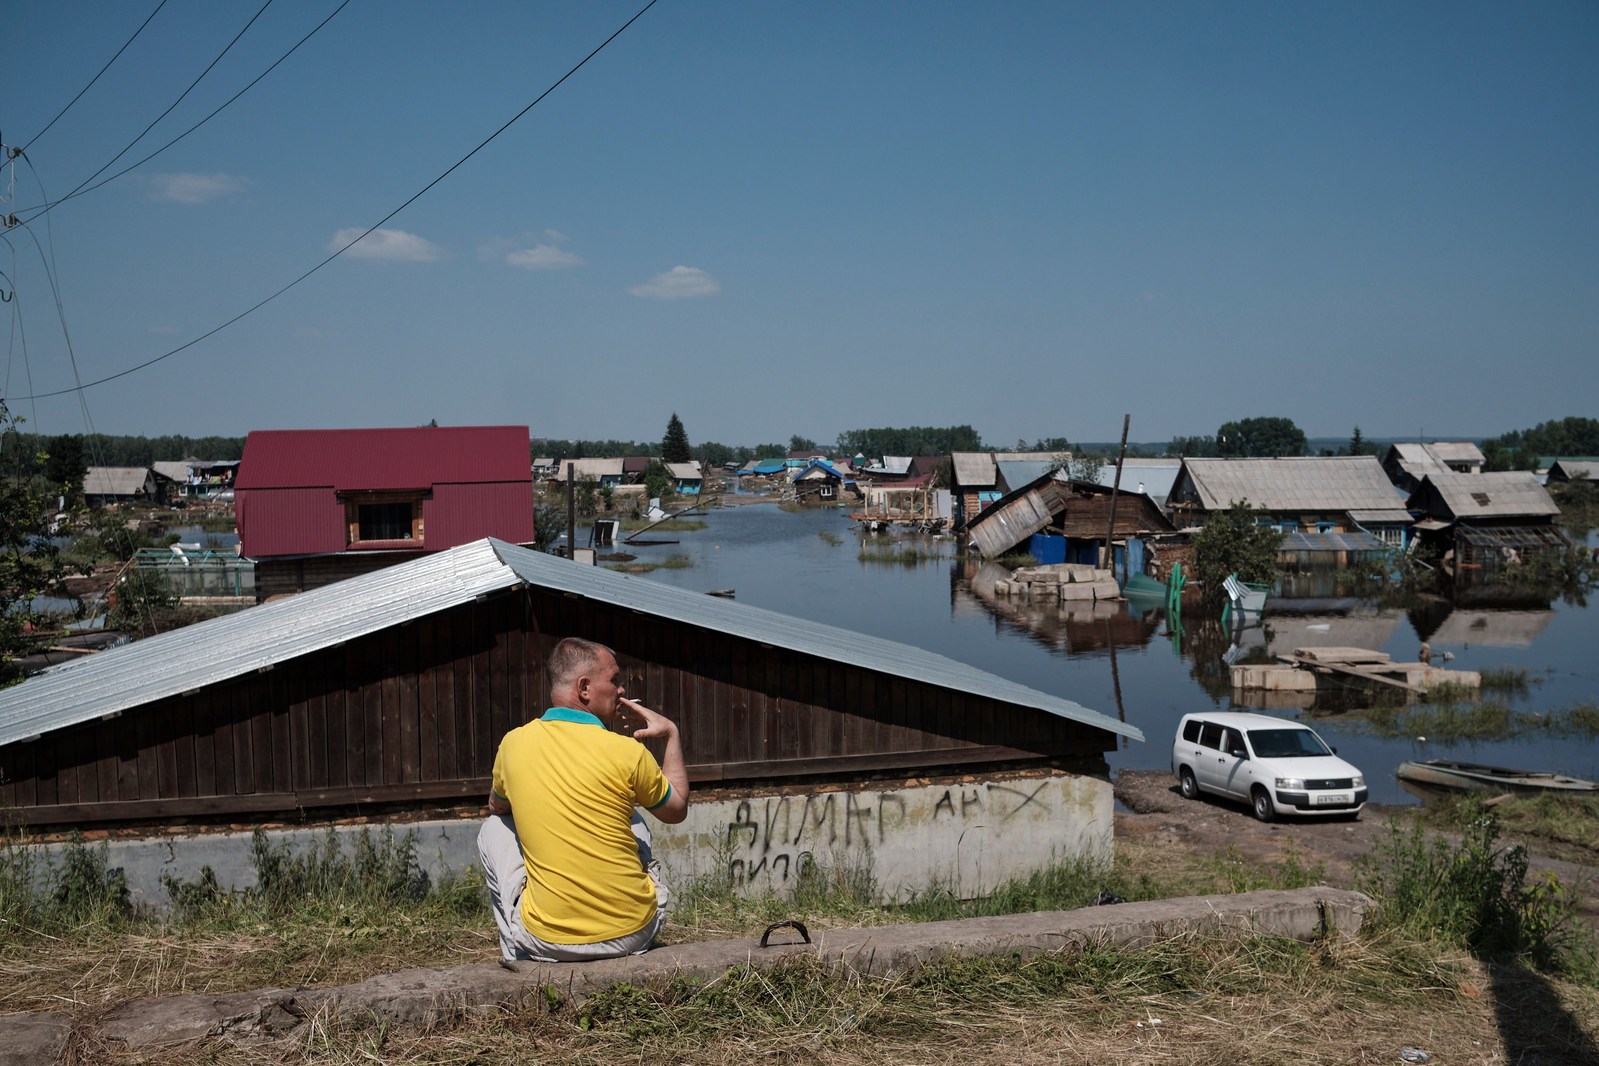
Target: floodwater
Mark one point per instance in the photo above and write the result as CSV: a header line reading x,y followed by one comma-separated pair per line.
x,y
1123,661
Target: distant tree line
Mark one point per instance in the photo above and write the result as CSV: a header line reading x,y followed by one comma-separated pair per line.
x,y
912,440
1520,449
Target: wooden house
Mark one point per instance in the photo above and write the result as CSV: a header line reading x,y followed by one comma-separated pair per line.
x,y
109,485
974,484
1406,464
687,478
601,471
1330,509
1562,471
1481,523
1077,512
395,687
317,506
821,484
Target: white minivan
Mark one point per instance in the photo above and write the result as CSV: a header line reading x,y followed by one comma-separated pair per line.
x,y
1278,767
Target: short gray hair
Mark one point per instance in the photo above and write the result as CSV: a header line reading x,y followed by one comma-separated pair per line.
x,y
570,658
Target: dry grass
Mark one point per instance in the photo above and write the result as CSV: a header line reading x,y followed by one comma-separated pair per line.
x,y
1188,1001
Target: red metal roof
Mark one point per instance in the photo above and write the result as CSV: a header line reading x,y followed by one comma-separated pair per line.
x,y
379,459
475,481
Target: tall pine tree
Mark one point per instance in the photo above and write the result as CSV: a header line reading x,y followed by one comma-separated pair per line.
x,y
674,446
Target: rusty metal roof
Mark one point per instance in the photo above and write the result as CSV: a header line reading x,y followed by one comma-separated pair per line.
x,y
257,639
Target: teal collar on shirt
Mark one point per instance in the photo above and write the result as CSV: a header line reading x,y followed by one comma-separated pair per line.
x,y
568,714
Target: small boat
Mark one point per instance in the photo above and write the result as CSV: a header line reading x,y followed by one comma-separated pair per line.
x,y
1440,776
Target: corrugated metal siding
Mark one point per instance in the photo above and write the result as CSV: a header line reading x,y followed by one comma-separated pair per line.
x,y
304,521
460,514
384,459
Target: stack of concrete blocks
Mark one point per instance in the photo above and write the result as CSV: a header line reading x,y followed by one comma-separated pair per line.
x,y
1062,582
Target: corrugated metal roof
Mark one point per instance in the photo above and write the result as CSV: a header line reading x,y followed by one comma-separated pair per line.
x,y
1565,469
1300,483
115,480
594,468
383,459
973,468
256,639
173,470
684,471
1449,451
1502,494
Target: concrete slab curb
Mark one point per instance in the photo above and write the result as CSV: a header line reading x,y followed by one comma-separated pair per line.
x,y
434,998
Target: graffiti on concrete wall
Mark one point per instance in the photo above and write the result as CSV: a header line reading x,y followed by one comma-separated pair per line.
x,y
779,836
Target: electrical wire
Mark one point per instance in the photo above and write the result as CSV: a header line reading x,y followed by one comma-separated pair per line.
x,y
417,196
108,163
81,191
96,78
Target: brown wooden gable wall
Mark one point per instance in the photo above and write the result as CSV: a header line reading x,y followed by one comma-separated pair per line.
x,y
416,712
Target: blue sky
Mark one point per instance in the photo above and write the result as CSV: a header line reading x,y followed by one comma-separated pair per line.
x,y
802,218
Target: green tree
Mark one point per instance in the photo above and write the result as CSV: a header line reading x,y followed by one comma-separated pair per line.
x,y
64,467
912,440
1359,445
586,494
30,564
674,446
1235,542
797,443
1192,447
1260,437
657,480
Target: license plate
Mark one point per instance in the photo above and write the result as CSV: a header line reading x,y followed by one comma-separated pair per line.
x,y
1334,800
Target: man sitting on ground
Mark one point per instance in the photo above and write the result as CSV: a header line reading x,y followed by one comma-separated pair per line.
x,y
564,853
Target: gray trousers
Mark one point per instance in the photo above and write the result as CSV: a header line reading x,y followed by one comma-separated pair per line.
x,y
505,873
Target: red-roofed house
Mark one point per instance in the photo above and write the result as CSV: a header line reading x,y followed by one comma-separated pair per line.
x,y
316,506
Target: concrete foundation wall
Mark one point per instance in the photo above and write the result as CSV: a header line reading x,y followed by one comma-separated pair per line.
x,y
967,836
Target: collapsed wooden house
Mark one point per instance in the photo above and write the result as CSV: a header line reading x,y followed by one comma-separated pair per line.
x,y
395,687
1075,515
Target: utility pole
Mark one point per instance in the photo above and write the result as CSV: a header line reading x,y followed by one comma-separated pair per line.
x,y
1115,489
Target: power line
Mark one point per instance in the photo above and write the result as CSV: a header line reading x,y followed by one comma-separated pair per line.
x,y
96,78
81,191
104,167
417,196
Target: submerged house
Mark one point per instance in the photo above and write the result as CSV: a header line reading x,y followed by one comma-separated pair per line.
x,y
1481,523
1330,509
1057,520
316,506
821,484
394,688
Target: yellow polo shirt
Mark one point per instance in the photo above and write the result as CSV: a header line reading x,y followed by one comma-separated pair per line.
x,y
572,785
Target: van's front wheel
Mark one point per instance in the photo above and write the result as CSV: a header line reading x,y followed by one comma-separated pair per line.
x,y
1263,808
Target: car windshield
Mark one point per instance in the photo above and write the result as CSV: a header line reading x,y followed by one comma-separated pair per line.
x,y
1285,743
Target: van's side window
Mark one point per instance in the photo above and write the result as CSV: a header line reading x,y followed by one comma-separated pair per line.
x,y
1210,736
1191,731
1235,741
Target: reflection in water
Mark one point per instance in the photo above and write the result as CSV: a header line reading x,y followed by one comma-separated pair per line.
x,y
781,562
1075,628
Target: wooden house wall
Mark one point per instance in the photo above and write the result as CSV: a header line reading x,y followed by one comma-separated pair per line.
x,y
1088,516
287,576
416,712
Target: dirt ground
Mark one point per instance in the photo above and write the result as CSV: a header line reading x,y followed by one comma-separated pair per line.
x,y
1155,813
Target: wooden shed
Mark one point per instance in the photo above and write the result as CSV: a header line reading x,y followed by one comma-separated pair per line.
x,y
396,687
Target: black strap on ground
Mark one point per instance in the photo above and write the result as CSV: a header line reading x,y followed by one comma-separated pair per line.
x,y
800,926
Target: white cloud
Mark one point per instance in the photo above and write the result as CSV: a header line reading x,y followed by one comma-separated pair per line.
x,y
543,257
679,283
392,244
195,188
